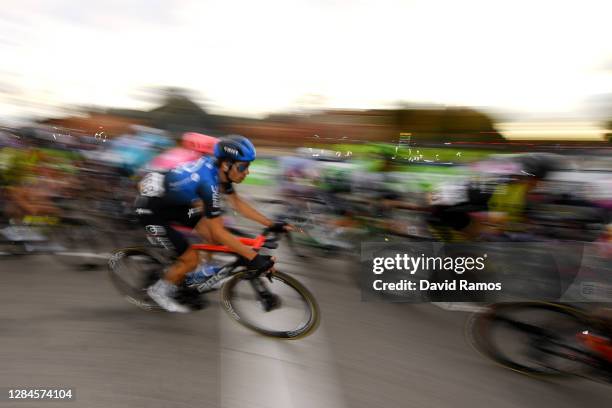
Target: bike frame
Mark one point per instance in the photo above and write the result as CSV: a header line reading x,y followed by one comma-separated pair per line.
x,y
255,243
229,275
228,269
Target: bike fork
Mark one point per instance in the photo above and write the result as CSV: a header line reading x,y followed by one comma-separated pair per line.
x,y
268,300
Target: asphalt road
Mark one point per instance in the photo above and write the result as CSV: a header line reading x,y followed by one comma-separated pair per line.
x,y
69,328
61,327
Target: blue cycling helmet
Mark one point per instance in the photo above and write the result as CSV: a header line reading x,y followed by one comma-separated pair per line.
x,y
235,148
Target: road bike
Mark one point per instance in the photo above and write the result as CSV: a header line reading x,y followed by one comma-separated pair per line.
x,y
273,304
544,339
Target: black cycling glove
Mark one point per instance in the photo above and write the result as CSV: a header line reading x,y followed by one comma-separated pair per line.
x,y
278,226
261,263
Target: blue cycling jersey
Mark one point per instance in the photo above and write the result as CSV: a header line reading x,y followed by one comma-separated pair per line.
x,y
196,180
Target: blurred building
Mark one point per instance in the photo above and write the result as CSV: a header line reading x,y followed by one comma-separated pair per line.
x,y
432,126
93,122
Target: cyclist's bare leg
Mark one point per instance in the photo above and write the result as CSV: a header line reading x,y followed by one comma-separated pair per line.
x,y
190,259
185,263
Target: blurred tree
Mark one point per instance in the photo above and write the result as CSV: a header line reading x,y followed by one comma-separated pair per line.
x,y
179,113
442,124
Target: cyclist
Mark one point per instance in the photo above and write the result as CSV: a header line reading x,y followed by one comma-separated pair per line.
x,y
26,184
190,195
461,211
297,177
194,145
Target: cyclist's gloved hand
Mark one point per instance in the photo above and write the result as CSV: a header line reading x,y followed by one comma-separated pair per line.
x,y
259,264
279,226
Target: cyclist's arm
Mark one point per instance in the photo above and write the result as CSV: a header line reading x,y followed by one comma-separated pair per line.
x,y
213,222
248,211
222,235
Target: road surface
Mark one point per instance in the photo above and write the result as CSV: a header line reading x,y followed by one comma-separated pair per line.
x,y
61,327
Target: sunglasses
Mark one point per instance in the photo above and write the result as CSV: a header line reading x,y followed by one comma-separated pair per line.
x,y
242,167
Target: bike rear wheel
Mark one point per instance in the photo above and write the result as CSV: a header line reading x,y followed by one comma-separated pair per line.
x,y
533,338
132,271
290,311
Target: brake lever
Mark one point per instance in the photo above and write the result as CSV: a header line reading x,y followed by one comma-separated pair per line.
x,y
273,238
270,245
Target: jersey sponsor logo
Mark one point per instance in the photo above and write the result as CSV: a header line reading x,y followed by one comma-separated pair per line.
x,y
141,211
155,230
193,212
195,177
216,201
162,242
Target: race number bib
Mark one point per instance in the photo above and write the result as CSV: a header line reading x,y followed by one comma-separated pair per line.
x,y
152,185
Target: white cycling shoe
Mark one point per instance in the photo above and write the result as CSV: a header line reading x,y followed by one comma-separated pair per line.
x,y
162,292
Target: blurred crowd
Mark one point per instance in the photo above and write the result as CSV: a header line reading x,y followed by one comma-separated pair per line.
x,y
536,194
371,188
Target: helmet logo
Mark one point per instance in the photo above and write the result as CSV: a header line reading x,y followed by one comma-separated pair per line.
x,y
230,150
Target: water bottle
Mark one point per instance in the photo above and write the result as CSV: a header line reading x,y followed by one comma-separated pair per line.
x,y
204,271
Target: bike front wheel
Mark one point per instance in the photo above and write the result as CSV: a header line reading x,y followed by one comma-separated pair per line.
x,y
278,306
533,338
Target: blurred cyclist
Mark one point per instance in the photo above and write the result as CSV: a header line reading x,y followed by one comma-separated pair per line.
x,y
190,195
194,145
27,183
462,211
199,142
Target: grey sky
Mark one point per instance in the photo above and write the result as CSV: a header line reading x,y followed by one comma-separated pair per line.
x,y
533,58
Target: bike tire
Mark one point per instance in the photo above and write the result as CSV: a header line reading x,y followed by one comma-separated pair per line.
x,y
136,293
228,300
480,329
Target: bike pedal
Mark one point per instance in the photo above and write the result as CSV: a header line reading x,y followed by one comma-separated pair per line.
x,y
198,305
192,298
